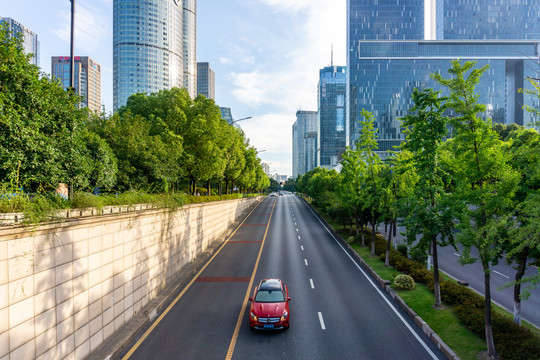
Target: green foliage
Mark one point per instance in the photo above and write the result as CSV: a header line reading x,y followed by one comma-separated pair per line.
x,y
38,122
404,282
402,248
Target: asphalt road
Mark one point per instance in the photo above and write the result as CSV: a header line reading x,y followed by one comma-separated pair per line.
x,y
501,274
336,311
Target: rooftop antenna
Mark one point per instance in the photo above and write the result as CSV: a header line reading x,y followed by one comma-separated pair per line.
x,y
332,56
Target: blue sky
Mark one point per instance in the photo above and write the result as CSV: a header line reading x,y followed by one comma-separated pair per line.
x,y
266,55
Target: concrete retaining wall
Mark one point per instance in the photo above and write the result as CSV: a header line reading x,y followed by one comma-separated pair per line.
x,y
65,288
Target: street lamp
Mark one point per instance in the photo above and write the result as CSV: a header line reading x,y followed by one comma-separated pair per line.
x,y
237,120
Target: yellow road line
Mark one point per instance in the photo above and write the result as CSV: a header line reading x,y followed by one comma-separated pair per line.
x,y
151,328
246,297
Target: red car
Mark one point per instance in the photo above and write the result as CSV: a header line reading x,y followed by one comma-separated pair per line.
x,y
270,305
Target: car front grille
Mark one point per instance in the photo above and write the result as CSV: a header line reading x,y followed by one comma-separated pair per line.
x,y
269,320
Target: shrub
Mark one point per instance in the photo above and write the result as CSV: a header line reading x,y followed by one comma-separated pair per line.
x,y
404,282
402,249
350,239
419,256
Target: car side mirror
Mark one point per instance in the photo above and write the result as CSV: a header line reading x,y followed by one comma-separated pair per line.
x,y
289,299
250,299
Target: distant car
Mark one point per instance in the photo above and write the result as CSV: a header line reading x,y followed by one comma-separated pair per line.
x,y
269,308
273,194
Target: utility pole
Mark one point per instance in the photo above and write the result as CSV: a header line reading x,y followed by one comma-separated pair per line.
x,y
71,57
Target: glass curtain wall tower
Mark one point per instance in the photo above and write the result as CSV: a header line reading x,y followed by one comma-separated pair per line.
x,y
147,47
189,27
382,74
331,109
305,134
30,41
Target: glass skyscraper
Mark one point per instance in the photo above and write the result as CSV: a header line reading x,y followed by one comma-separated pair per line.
x,y
206,83
305,133
30,41
488,19
149,47
382,74
87,79
189,27
331,110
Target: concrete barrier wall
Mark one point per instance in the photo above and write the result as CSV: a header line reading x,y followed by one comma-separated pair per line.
x,y
66,287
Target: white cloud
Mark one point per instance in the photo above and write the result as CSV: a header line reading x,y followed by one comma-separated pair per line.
x,y
285,75
92,27
224,60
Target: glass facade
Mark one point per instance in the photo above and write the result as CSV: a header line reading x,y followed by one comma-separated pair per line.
x,y
331,109
381,75
30,41
206,83
87,79
305,134
190,46
147,47
488,19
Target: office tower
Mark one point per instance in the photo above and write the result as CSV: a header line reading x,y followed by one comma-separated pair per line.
x,y
30,41
87,80
148,47
382,74
488,20
206,83
226,114
190,46
305,142
331,110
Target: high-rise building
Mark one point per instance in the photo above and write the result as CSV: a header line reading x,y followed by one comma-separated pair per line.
x,y
381,75
87,81
305,134
30,41
149,47
206,83
331,110
189,35
226,114
487,20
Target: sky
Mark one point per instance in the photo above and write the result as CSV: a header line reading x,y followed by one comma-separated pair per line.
x,y
266,55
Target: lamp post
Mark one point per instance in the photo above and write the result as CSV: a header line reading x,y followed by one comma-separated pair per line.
x,y
71,57
237,120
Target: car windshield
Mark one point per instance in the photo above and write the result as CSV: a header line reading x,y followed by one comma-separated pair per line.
x,y
269,296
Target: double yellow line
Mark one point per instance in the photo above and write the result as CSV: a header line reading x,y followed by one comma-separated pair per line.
x,y
239,322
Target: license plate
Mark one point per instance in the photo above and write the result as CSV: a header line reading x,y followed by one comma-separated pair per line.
x,y
268,326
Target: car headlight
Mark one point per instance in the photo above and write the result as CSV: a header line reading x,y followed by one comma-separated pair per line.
x,y
284,316
253,316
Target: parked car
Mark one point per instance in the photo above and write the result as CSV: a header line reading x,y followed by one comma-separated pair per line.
x,y
269,308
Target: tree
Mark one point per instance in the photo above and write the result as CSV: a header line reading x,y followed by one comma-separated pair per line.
x,y
401,179
38,121
484,182
234,154
367,145
202,157
429,213
352,187
522,226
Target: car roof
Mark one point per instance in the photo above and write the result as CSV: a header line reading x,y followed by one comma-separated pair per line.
x,y
270,284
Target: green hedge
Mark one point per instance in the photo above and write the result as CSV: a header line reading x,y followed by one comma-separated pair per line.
x,y
511,340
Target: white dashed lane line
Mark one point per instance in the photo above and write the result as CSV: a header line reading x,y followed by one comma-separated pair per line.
x,y
305,261
299,238
321,320
301,247
496,272
311,282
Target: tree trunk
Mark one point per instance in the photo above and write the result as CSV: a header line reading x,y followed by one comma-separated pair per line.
x,y
492,353
387,260
517,288
372,237
362,233
436,282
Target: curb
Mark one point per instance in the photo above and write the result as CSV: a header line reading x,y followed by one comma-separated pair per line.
x,y
385,284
